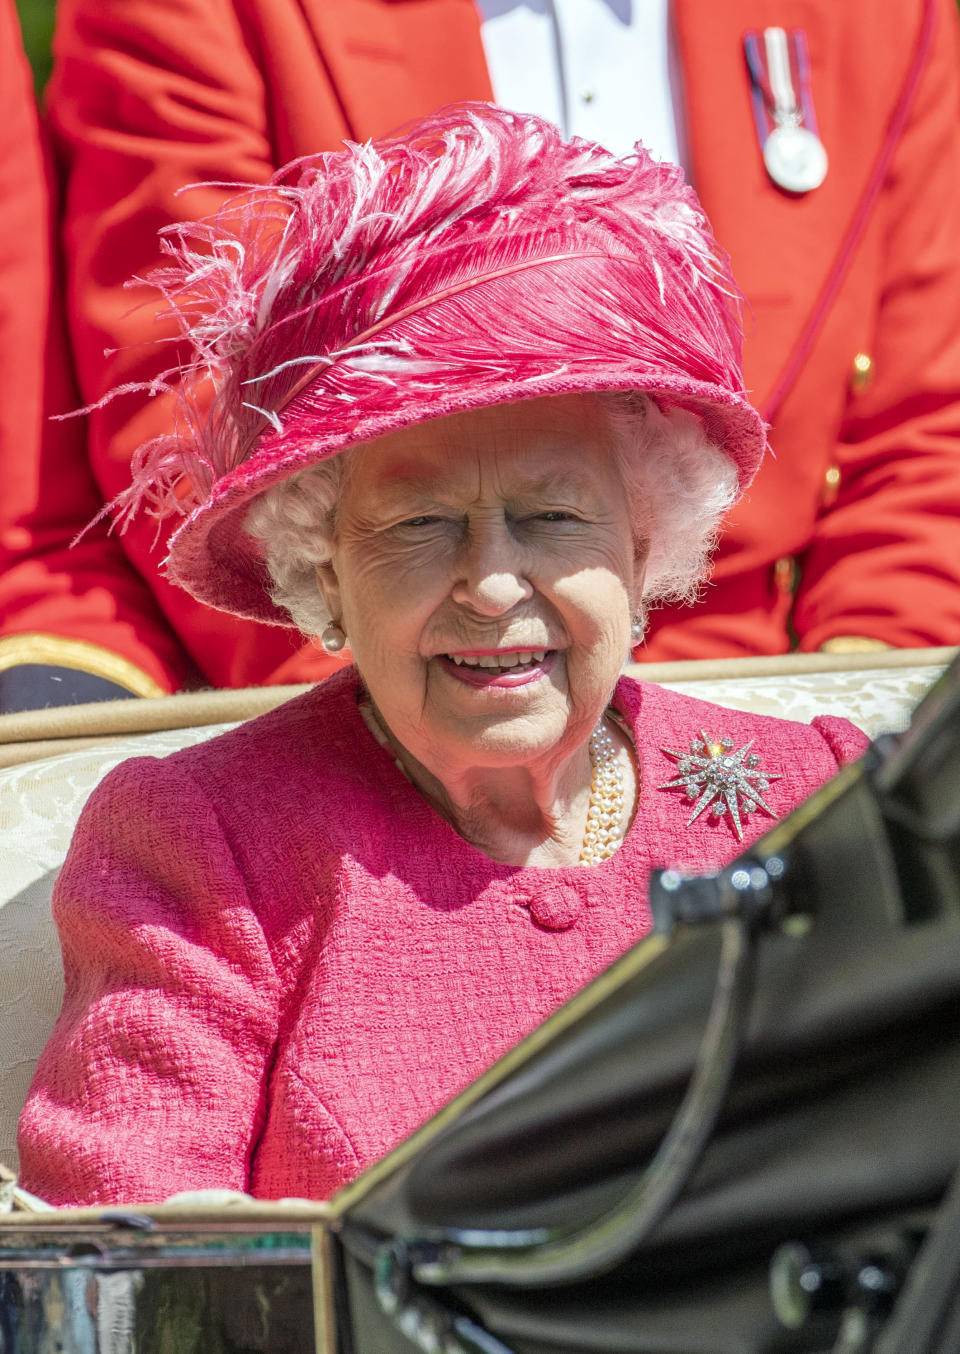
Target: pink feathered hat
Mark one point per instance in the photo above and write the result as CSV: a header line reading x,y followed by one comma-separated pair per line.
x,y
475,258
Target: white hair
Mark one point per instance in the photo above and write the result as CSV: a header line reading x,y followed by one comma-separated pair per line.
x,y
678,486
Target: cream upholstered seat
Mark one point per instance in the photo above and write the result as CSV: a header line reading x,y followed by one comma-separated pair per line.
x,y
40,800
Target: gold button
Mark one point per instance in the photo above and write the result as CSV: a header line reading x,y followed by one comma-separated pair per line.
x,y
785,573
861,377
831,486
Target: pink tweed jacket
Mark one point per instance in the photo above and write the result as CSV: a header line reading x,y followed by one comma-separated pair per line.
x,y
279,961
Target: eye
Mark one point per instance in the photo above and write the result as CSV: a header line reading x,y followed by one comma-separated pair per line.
x,y
423,521
556,515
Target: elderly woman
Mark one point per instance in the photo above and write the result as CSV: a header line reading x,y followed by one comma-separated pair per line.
x,y
476,406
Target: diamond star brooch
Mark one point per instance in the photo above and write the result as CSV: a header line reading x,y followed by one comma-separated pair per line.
x,y
721,780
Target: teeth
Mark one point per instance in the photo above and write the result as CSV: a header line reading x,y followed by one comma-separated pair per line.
x,y
503,660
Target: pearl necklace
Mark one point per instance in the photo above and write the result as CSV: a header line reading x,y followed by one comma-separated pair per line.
x,y
606,809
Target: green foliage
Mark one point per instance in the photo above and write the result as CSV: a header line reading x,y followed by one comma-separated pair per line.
x,y
36,20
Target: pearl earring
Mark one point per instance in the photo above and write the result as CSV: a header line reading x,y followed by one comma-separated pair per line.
x,y
333,638
636,633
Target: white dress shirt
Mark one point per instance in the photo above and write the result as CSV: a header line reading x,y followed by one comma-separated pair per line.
x,y
600,69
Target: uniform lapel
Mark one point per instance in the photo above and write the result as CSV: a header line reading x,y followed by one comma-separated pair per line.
x,y
393,60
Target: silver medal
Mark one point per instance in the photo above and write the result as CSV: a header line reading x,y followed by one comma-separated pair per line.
x,y
792,153
795,158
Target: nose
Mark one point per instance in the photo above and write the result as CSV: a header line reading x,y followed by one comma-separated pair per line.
x,y
492,569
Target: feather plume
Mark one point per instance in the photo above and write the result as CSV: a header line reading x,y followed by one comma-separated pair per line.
x,y
474,245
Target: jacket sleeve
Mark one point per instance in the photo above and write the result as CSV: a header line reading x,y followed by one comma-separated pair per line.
x,y
148,97
884,562
154,1080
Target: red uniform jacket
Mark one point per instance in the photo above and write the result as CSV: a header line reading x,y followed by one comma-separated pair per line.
x,y
860,499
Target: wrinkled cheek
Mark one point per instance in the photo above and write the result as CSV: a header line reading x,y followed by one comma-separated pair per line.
x,y
384,658
380,614
366,602
398,685
598,603
595,662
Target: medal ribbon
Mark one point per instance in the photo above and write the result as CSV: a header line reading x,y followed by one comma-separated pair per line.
x,y
778,60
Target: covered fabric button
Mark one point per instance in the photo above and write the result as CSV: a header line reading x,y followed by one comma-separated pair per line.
x,y
555,906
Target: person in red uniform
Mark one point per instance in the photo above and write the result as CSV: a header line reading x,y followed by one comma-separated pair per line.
x,y
850,533
57,605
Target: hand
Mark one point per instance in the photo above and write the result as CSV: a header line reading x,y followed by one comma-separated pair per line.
x,y
853,644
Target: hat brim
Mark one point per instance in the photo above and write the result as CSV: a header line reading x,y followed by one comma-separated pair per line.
x,y
212,557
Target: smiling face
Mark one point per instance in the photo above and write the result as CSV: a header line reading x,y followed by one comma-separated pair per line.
x,y
485,573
